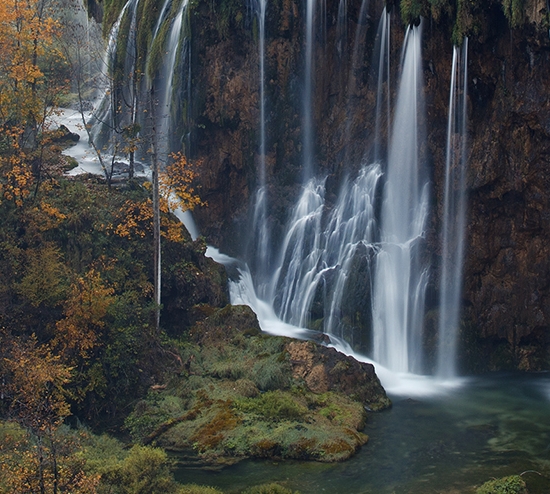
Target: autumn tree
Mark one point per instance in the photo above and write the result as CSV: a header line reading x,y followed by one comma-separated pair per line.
x,y
79,334
31,80
34,385
172,189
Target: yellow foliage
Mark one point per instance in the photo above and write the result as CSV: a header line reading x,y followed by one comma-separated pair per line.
x,y
37,385
135,219
176,184
28,465
27,34
176,190
85,309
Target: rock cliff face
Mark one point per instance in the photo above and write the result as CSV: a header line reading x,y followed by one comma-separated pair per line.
x,y
507,282
506,300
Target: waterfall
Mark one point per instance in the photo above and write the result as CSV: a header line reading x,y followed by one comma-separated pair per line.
x,y
166,77
260,229
322,250
300,255
103,114
401,276
342,28
454,215
350,260
355,65
308,94
162,17
383,50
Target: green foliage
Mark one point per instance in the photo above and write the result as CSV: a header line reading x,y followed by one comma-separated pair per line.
x,y
269,373
274,405
60,251
197,489
221,414
411,10
49,464
229,16
439,7
514,12
102,453
271,488
111,9
507,485
144,471
45,279
150,413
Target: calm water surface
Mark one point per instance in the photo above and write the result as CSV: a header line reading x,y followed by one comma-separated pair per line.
x,y
490,427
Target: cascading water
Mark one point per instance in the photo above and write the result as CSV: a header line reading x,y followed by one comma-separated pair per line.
x,y
300,256
308,131
401,276
103,115
162,17
454,215
356,62
260,229
166,78
383,86
321,251
342,27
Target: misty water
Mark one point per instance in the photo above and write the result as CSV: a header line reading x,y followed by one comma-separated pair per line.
x,y
491,426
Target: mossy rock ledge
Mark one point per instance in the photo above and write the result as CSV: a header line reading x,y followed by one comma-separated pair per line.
x,y
243,394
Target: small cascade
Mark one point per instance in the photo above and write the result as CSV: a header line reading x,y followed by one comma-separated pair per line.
x,y
454,215
383,84
162,17
350,237
401,277
300,255
322,252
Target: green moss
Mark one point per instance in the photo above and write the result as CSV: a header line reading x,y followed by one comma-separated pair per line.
x,y
151,412
274,405
271,488
507,485
514,12
411,10
112,9
198,489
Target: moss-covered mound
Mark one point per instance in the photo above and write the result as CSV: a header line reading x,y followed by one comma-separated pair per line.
x,y
242,393
513,484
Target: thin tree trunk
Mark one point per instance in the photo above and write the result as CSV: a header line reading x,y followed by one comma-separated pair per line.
x,y
156,210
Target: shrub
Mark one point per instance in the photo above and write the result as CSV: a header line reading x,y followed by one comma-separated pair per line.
x,y
506,485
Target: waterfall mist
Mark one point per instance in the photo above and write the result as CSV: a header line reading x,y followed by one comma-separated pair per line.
x,y
401,276
454,215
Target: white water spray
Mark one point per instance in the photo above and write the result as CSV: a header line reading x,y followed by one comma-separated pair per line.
x,y
166,90
401,277
261,237
454,215
308,130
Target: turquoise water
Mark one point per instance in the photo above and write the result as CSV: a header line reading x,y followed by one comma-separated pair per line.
x,y
490,427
